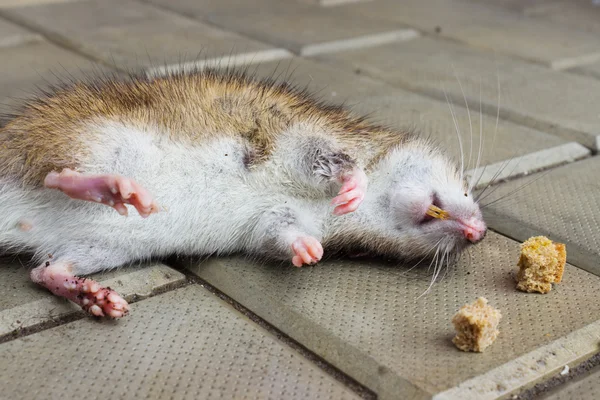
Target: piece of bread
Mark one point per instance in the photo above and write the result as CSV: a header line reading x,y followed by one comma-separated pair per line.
x,y
476,326
541,264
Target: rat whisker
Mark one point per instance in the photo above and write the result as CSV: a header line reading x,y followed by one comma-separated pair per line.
x,y
462,155
493,180
468,114
436,260
426,256
479,198
496,127
523,186
481,139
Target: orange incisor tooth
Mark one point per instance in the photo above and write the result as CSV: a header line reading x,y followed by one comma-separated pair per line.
x,y
437,212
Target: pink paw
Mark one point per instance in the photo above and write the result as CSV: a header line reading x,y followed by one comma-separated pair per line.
x,y
93,298
307,250
352,193
100,301
112,190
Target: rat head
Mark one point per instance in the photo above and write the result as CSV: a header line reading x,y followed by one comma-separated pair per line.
x,y
431,204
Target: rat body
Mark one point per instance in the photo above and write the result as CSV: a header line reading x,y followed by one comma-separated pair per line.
x,y
214,163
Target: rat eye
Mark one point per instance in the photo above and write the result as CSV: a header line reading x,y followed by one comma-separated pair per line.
x,y
466,195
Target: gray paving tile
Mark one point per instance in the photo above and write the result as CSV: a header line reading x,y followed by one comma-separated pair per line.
x,y
554,102
575,14
307,30
592,70
561,204
367,318
515,5
22,3
25,305
39,63
490,28
328,3
322,80
185,344
14,35
584,388
205,8
130,34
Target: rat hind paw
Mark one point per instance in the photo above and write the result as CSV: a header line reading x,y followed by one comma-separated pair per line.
x,y
101,302
307,250
112,190
352,193
90,295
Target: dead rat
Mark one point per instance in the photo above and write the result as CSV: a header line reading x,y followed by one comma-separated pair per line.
x,y
225,163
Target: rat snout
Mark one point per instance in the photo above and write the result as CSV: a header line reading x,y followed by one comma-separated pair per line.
x,y
473,229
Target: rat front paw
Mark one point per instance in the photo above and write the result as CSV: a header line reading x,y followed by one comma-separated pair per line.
x,y
112,190
307,250
352,193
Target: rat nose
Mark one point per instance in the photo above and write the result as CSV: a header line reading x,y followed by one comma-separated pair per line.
x,y
473,229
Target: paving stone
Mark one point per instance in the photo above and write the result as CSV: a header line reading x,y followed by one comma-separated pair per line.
x,y
25,305
575,14
185,344
591,70
547,361
370,320
132,35
37,64
22,3
562,204
206,8
517,5
491,28
584,388
307,30
332,2
550,101
13,35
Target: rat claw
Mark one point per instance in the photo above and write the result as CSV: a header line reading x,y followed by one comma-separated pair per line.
x,y
96,310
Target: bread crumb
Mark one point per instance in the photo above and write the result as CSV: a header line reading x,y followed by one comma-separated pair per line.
x,y
541,264
476,326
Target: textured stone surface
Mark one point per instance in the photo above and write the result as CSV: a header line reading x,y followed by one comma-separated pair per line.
x,y
21,3
575,14
369,320
324,81
584,388
592,70
561,204
311,30
206,8
186,344
13,35
24,305
494,29
554,102
36,64
130,34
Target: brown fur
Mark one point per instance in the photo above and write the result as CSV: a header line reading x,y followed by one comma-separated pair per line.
x,y
53,131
